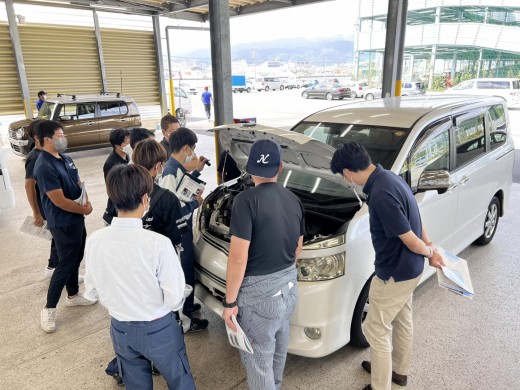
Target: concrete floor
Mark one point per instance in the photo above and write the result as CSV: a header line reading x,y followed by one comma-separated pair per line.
x,y
459,344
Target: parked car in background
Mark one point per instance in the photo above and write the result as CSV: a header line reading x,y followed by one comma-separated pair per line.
x,y
87,120
445,148
357,88
183,107
189,89
408,88
269,84
326,91
508,88
6,189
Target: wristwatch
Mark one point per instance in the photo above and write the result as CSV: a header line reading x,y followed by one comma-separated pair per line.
x,y
229,305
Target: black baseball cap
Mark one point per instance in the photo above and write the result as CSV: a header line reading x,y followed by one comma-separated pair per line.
x,y
264,159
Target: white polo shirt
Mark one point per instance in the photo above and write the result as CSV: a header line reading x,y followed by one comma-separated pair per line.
x,y
135,273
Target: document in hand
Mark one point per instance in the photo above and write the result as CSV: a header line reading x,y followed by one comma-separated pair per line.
x,y
238,339
82,200
189,187
454,276
38,231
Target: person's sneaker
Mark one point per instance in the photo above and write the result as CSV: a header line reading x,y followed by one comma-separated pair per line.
x,y
367,387
81,278
47,273
80,300
196,307
48,320
155,371
119,380
197,325
398,379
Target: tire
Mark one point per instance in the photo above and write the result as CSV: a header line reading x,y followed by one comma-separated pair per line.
x,y
305,95
235,90
369,96
353,95
266,89
404,95
248,89
329,96
181,116
357,337
490,223
282,87
298,86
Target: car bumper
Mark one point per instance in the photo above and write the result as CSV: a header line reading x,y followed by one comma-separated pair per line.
x,y
19,147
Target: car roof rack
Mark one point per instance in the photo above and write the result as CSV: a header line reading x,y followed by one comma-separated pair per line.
x,y
117,94
65,94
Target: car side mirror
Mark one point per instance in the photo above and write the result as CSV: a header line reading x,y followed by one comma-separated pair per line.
x,y
434,180
65,118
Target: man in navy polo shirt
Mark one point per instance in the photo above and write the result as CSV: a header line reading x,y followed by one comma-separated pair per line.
x,y
400,243
59,183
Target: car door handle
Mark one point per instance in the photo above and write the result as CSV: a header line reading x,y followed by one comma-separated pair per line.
x,y
90,123
464,180
452,187
122,120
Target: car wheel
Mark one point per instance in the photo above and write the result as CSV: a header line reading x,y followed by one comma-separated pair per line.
x,y
490,223
235,90
181,116
357,337
329,96
248,89
305,95
298,86
281,87
404,94
369,96
353,94
266,89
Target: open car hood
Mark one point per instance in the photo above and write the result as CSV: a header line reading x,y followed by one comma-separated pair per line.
x,y
299,152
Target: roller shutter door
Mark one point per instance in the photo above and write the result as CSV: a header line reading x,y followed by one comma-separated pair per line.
x,y
131,54
11,101
60,59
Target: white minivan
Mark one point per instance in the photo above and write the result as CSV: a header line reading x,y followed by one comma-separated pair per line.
x,y
508,88
456,153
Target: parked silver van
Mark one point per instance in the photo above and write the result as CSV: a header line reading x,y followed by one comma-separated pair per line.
x,y
456,153
508,88
269,84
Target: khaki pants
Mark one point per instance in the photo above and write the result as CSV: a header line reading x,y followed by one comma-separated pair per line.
x,y
389,329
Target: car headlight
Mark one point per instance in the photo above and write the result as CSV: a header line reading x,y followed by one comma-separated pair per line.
x,y
327,243
321,268
20,133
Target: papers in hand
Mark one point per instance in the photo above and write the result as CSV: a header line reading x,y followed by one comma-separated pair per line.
x,y
38,231
82,200
189,187
238,339
454,276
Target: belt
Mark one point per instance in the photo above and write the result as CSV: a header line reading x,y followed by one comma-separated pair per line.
x,y
290,284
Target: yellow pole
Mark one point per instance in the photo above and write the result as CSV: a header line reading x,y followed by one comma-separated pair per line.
x,y
398,87
217,158
172,97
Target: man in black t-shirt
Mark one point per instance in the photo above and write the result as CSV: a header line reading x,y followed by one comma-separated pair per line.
x,y
33,195
267,228
169,124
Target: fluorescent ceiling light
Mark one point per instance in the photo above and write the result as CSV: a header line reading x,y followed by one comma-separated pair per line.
x,y
109,7
52,1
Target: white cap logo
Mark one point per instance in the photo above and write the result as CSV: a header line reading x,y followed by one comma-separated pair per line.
x,y
263,159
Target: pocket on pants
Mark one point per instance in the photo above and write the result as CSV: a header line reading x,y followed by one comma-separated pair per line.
x,y
119,338
270,309
162,338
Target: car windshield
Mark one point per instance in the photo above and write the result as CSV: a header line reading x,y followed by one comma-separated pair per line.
x,y
382,143
47,110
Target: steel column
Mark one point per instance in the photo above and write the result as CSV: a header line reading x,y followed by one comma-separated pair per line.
x,y
160,65
394,47
221,61
20,66
100,52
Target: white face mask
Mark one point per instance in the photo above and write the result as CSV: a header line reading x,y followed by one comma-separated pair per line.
x,y
189,159
158,174
127,149
353,187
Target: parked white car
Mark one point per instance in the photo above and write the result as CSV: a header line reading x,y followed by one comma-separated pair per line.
x,y
357,88
183,108
508,88
6,189
408,88
456,154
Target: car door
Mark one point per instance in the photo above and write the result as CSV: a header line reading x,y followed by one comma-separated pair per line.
x,y
112,115
79,124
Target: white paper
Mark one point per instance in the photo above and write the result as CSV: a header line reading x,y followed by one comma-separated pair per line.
x,y
82,200
37,231
238,339
188,189
454,276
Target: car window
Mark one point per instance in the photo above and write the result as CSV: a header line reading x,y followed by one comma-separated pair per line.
x,y
407,85
470,139
180,93
382,143
516,84
86,110
431,153
497,126
110,109
464,85
46,110
492,84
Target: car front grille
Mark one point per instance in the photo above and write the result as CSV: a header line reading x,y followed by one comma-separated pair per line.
x,y
16,148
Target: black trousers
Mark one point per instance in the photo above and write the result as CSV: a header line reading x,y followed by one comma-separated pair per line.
x,y
70,245
53,257
188,266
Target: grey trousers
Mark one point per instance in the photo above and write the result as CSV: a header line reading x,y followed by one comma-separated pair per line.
x,y
266,324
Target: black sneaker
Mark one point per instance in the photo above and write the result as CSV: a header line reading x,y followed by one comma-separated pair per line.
x,y
197,325
119,380
155,371
196,307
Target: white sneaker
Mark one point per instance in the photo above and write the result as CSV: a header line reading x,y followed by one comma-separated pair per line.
x,y
48,320
47,273
80,300
81,278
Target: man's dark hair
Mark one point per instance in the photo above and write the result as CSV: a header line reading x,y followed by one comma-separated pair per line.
x,y
138,134
117,136
47,128
149,152
127,184
167,119
40,93
351,155
32,129
180,138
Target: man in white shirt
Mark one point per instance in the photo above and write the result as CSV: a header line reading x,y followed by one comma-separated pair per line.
x,y
136,275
